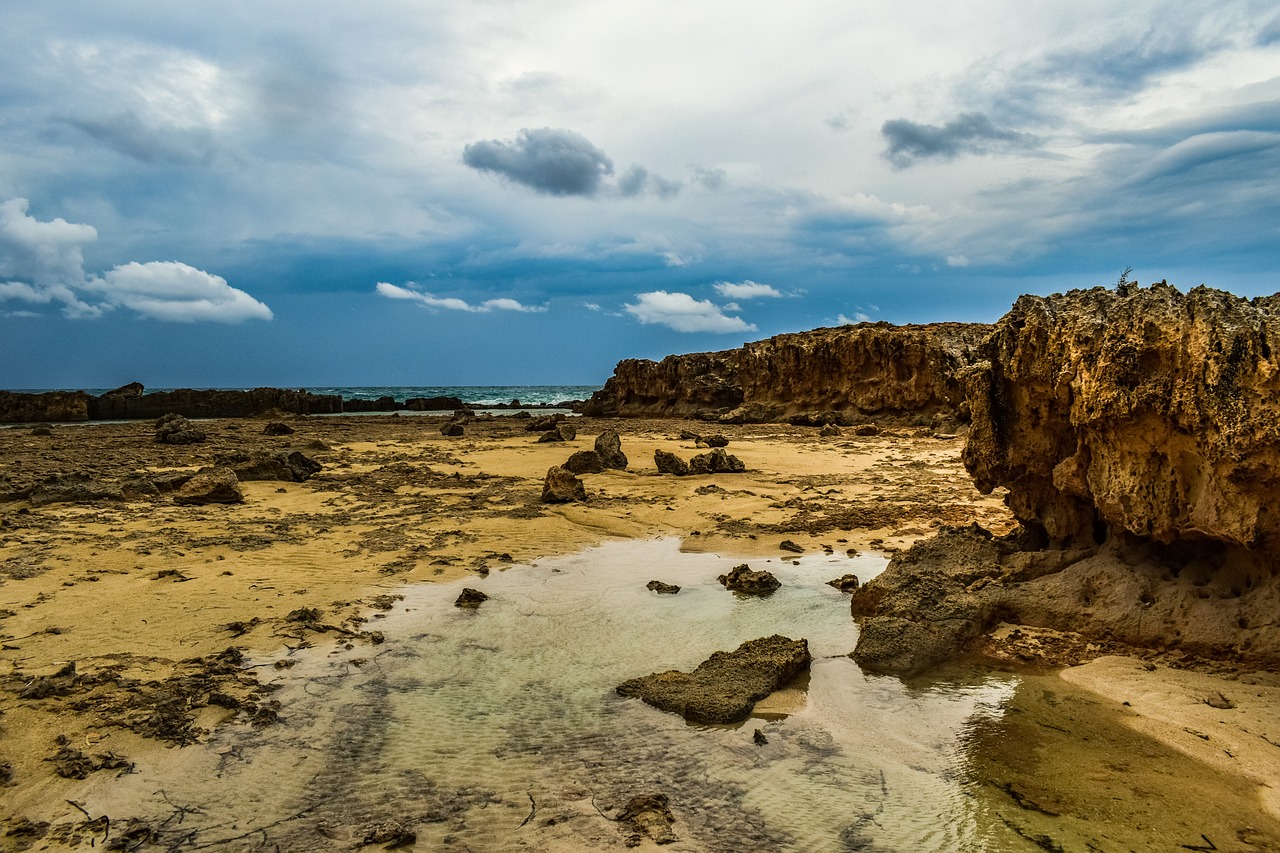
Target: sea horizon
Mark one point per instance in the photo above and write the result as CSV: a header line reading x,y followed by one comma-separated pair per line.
x,y
475,395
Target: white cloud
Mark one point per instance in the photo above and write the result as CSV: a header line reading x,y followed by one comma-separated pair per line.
x,y
393,291
746,290
958,261
682,312
43,263
169,290
858,317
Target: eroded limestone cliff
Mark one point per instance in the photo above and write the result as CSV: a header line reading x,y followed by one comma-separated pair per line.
x,y
1137,432
843,374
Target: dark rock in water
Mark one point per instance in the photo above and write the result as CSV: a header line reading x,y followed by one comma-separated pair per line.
x,y
759,739
175,429
72,488
609,447
585,462
745,580
470,598
648,816
211,486
292,467
716,462
133,389
452,428
662,588
845,583
830,431
561,432
277,428
669,463
561,486
725,687
788,545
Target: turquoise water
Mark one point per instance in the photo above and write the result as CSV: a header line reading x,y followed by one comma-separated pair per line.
x,y
475,395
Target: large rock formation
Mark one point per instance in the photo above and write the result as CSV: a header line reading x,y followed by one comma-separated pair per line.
x,y
846,373
1137,432
210,403
49,407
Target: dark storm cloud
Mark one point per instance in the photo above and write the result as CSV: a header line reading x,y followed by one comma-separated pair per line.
x,y
968,133
126,133
549,160
638,180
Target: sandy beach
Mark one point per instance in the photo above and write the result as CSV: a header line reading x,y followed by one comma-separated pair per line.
x,y
127,624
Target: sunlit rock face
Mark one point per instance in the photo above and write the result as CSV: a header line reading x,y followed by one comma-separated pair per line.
x,y
838,375
1144,411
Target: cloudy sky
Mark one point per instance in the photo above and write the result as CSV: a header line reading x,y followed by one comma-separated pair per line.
x,y
489,192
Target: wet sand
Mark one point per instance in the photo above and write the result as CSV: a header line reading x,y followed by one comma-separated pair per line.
x,y
145,597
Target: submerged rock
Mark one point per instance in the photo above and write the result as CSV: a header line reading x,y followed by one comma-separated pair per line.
x,y
725,687
470,598
561,486
845,583
746,580
662,588
649,816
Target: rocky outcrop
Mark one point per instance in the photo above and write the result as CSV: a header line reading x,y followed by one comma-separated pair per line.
x,y
292,467
210,486
850,372
584,462
49,407
669,463
561,486
749,581
716,462
725,687
175,429
1137,432
470,598
211,403
608,447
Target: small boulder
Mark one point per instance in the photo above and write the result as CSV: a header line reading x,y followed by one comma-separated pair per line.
x,y
561,432
585,462
788,545
452,428
562,486
175,429
746,580
211,486
867,429
41,430
716,462
669,463
829,431
725,687
277,428
662,588
714,440
542,424
845,583
609,448
293,467
472,598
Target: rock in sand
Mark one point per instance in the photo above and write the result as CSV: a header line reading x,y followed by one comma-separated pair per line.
x,y
562,486
210,486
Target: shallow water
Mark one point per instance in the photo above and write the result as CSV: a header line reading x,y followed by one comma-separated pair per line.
x,y
498,728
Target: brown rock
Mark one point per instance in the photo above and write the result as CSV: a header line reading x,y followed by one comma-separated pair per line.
x,y
213,485
716,462
609,447
662,588
560,432
452,429
561,486
746,580
669,463
175,429
725,687
51,406
277,428
293,467
845,583
585,462
649,816
470,598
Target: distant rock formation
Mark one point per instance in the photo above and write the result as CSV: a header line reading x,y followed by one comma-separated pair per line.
x,y
846,373
194,403
1137,432
49,407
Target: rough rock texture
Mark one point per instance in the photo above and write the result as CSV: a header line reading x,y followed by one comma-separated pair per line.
x,y
561,486
51,406
609,447
1138,434
175,429
716,462
470,598
211,486
662,588
451,429
560,432
293,467
648,816
72,488
851,371
211,403
725,687
744,579
1145,411
669,463
277,428
584,462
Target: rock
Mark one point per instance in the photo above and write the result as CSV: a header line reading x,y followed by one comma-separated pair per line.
x,y
433,404
210,403
662,588
759,739
212,485
51,406
866,429
716,462
844,373
792,547
452,428
561,486
830,431
277,428
669,463
293,467
41,431
470,598
133,389
649,816
72,488
746,580
609,447
725,687
714,440
845,583
175,429
585,462
560,432
543,424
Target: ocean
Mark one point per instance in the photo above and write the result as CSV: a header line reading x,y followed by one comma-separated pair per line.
x,y
477,396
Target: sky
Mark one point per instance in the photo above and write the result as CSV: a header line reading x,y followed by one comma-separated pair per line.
x,y
435,192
